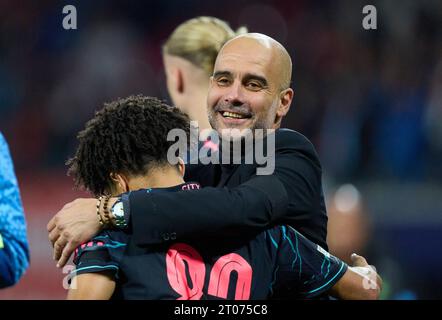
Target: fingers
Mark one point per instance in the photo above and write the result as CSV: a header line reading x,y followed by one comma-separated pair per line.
x,y
66,253
54,221
54,235
51,224
72,223
369,273
59,245
358,261
379,282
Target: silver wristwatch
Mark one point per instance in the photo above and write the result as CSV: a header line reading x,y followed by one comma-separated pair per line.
x,y
117,211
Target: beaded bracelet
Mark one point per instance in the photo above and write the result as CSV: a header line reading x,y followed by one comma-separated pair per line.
x,y
98,210
107,219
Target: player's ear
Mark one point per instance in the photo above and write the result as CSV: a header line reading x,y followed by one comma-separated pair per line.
x,y
121,182
181,166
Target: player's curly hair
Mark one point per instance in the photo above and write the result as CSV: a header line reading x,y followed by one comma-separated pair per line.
x,y
127,136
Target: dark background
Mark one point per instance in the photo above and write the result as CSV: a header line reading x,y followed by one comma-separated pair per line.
x,y
370,101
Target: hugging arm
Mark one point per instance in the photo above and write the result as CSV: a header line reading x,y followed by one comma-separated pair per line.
x,y
291,195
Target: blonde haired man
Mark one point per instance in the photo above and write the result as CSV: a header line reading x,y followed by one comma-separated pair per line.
x,y
189,56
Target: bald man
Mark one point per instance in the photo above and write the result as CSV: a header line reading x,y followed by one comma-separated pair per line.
x,y
249,89
251,80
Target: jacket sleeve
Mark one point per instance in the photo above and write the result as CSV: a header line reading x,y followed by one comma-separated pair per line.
x,y
289,195
14,251
207,211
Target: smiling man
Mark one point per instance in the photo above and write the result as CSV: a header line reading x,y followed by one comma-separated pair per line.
x,y
249,89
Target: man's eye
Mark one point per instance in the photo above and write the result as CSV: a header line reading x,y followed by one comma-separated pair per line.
x,y
222,81
254,86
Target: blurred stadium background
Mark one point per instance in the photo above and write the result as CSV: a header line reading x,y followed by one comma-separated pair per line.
x,y
370,101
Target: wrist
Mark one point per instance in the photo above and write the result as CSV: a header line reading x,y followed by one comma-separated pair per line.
x,y
111,216
118,213
104,212
98,212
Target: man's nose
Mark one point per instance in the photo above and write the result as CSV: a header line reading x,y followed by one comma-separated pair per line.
x,y
235,95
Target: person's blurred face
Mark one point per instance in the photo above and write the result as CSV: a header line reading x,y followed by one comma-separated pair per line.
x,y
187,84
245,89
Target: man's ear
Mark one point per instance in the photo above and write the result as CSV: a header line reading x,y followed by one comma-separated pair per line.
x,y
285,100
121,182
285,97
179,80
181,166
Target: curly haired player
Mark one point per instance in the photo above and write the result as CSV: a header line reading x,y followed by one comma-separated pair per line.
x,y
124,148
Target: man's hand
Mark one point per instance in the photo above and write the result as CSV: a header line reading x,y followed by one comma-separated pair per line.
x,y
372,280
360,282
73,225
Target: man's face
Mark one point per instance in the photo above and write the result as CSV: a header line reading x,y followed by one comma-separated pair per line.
x,y
244,91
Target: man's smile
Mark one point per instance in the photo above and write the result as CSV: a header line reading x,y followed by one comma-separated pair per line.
x,y
229,118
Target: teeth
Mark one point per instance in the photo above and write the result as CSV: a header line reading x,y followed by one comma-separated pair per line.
x,y
232,115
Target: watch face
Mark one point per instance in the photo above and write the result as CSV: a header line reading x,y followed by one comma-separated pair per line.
x,y
117,209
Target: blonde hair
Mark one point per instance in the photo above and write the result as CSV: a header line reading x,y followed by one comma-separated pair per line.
x,y
199,40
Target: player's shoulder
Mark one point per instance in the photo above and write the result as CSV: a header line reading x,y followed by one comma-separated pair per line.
x,y
285,234
6,166
3,143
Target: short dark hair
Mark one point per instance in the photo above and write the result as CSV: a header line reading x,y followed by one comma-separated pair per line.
x,y
128,136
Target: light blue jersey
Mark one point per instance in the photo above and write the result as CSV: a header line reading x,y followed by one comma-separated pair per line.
x,y
14,250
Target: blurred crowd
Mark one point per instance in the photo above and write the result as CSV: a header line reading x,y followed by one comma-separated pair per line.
x,y
369,100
